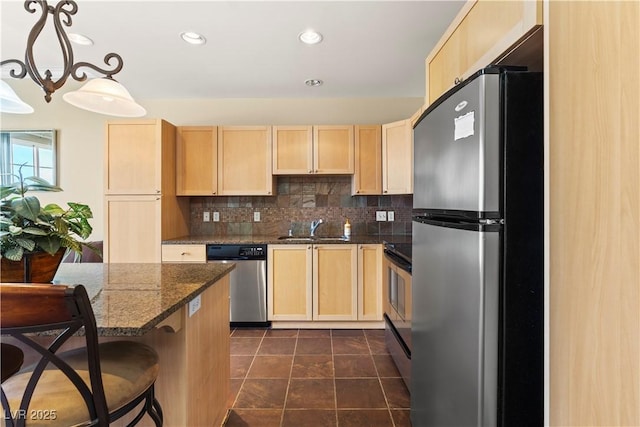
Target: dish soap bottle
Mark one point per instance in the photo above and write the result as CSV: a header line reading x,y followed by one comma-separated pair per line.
x,y
347,229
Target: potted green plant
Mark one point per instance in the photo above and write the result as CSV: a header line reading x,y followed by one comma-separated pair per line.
x,y
33,238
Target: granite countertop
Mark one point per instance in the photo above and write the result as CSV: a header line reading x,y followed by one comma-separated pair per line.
x,y
270,240
131,299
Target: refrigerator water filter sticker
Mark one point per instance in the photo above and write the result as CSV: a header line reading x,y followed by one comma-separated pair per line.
x,y
463,126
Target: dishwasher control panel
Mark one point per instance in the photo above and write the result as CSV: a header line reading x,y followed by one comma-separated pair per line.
x,y
231,252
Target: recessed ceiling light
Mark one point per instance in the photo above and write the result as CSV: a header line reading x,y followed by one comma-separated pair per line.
x,y
313,82
80,39
193,38
310,37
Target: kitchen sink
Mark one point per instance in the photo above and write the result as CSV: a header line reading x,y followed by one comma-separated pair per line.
x,y
296,238
312,239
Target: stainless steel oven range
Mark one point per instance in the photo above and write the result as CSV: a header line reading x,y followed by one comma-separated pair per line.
x,y
397,305
248,281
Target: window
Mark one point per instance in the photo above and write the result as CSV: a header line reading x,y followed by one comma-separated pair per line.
x,y
34,150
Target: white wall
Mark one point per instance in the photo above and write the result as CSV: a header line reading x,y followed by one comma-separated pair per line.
x,y
81,133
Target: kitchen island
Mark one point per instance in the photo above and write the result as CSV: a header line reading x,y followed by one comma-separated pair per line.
x,y
181,310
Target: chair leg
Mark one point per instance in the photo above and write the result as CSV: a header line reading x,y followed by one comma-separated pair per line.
x,y
153,407
158,409
8,417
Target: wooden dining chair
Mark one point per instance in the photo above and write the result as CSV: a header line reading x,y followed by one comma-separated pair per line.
x,y
92,385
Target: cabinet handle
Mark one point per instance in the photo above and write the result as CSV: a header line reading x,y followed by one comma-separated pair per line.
x,y
214,193
310,171
184,253
308,247
457,81
157,191
386,191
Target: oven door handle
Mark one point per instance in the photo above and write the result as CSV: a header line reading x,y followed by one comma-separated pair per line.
x,y
400,262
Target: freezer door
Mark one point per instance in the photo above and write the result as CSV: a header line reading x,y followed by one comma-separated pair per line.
x,y
454,327
457,150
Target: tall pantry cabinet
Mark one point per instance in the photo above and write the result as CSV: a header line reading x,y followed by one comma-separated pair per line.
x,y
141,207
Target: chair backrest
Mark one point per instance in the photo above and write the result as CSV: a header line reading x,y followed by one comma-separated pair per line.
x,y
26,309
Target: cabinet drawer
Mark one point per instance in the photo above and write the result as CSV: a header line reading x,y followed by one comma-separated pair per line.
x,y
184,253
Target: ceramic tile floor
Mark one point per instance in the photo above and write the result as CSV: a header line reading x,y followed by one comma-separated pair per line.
x,y
309,378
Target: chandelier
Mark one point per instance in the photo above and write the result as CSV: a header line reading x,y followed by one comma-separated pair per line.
x,y
100,95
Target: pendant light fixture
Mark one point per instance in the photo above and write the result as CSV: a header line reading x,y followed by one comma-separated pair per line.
x,y
102,95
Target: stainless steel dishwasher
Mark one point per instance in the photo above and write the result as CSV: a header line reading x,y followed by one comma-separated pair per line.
x,y
248,281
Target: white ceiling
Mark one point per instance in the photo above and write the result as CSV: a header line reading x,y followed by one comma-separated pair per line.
x,y
370,48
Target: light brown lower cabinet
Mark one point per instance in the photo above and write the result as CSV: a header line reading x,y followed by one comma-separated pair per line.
x,y
370,277
332,282
335,282
289,282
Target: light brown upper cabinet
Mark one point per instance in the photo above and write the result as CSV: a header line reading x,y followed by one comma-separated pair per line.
x,y
141,207
292,150
244,161
397,157
302,150
197,160
482,33
136,152
367,176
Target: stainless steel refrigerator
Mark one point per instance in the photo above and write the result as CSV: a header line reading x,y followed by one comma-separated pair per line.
x,y
477,330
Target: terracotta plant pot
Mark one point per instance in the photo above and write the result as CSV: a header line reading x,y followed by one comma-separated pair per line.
x,y
33,268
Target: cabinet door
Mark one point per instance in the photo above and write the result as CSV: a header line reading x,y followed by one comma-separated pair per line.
x,y
196,161
333,149
367,176
292,150
387,270
289,281
481,34
244,161
335,287
370,282
133,229
397,158
133,156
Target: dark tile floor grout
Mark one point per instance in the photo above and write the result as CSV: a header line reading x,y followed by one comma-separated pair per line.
x,y
312,378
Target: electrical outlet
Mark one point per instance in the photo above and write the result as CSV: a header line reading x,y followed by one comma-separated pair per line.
x,y
381,215
391,216
206,216
256,217
194,305
216,216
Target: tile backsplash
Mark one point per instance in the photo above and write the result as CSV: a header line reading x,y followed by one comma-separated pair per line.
x,y
298,201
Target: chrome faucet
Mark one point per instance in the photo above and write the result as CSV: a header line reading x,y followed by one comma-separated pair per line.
x,y
314,226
